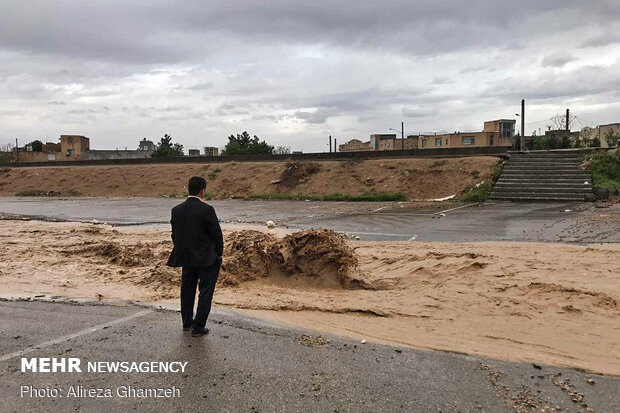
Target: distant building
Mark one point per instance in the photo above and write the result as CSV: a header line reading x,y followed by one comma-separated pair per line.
x,y
603,130
194,152
146,145
50,147
354,145
101,154
560,134
211,151
499,132
382,142
72,146
505,128
77,147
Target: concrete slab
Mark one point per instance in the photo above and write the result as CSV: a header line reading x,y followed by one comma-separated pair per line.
x,y
250,365
492,221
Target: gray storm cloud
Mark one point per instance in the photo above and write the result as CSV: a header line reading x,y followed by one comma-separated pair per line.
x,y
294,72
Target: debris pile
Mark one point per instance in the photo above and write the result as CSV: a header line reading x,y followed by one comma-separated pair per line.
x,y
297,172
248,255
138,255
321,254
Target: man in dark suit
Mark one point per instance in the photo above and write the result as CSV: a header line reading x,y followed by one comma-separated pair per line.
x,y
198,248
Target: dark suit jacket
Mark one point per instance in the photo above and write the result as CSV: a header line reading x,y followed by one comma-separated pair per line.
x,y
196,235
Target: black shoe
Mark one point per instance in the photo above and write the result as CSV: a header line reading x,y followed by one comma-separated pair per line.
x,y
186,328
200,333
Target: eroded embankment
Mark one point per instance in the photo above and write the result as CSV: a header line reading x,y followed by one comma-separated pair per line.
x,y
417,178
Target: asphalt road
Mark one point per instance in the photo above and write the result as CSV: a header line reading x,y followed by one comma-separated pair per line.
x,y
247,365
503,221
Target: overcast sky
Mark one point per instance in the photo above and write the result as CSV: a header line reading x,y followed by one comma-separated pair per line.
x,y
294,72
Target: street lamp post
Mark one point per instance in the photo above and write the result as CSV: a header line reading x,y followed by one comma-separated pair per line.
x,y
402,135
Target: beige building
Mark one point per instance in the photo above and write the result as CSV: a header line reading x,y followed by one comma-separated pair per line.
x,y
73,145
499,132
211,151
70,148
604,130
354,145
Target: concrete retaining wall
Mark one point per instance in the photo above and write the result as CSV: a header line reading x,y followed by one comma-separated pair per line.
x,y
335,156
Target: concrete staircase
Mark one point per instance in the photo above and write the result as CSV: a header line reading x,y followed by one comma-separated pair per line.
x,y
544,176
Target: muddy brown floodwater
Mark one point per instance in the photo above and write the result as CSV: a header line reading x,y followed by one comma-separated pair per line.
x,y
547,303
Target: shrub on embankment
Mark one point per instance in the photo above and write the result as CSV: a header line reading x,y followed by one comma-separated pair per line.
x,y
480,191
605,168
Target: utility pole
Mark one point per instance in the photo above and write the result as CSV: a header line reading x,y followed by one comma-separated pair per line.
x,y
522,122
16,151
330,143
567,118
335,145
402,134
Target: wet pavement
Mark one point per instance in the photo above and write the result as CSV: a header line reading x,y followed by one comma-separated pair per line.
x,y
451,222
248,365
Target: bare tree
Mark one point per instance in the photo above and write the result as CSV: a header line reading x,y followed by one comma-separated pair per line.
x,y
588,137
282,150
6,154
558,122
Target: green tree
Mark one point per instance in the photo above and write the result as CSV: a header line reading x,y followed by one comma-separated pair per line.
x,y
245,145
613,139
166,149
37,145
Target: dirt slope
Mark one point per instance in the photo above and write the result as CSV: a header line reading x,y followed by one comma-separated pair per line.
x,y
418,178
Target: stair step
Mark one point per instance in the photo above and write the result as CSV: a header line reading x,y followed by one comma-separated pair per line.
x,y
518,168
579,180
551,154
544,176
542,195
543,190
551,182
534,199
545,164
546,156
528,185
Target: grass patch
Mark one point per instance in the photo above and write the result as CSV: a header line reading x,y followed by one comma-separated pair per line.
x,y
40,192
32,192
481,191
213,174
478,193
605,168
365,197
208,195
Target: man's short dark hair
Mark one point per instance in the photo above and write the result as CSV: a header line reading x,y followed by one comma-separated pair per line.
x,y
195,185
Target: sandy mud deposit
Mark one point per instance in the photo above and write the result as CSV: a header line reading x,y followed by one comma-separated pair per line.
x,y
320,258
547,303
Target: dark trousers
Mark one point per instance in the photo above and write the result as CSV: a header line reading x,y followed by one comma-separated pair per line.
x,y
189,280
